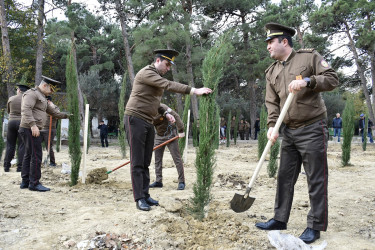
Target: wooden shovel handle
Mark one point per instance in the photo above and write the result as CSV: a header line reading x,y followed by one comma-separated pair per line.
x,y
158,146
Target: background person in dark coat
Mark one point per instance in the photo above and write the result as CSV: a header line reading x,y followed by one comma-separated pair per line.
x,y
337,125
103,133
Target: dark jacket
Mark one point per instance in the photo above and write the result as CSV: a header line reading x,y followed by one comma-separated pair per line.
x,y
337,122
103,130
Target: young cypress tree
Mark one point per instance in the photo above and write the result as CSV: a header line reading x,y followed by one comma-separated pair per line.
x,y
212,71
182,141
121,110
272,164
74,121
195,133
235,132
58,135
2,144
348,131
227,132
262,138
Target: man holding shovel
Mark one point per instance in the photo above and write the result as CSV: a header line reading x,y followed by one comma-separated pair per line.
x,y
143,105
164,132
305,135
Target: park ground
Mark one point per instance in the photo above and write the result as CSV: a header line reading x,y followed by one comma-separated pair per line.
x,y
105,214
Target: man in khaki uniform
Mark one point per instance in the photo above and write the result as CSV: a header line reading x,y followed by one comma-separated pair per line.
x,y
164,132
305,135
14,111
143,105
45,132
33,109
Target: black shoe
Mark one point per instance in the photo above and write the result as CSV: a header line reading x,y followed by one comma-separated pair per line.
x,y
52,164
152,202
24,184
142,205
6,169
19,169
156,185
39,188
310,235
272,224
181,186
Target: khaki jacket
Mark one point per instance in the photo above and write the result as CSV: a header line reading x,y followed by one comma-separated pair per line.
x,y
54,119
307,105
14,107
34,107
148,88
241,127
161,123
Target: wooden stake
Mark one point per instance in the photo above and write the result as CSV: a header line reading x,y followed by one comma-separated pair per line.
x,y
85,132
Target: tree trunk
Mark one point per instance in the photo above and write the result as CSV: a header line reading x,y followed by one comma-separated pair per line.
x,y
300,37
39,50
360,70
8,72
128,55
189,67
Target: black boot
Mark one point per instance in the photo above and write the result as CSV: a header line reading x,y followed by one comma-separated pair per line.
x,y
142,205
310,235
24,184
272,224
152,202
39,188
156,185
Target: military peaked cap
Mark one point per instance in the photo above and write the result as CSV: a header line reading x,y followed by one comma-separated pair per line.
x,y
275,30
22,87
50,80
168,54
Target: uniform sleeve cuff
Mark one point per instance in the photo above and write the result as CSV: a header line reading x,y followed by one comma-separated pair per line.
x,y
271,124
312,82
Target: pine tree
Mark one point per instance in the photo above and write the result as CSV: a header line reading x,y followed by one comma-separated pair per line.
x,y
121,110
212,71
74,120
348,131
272,164
227,132
2,144
58,135
262,138
182,141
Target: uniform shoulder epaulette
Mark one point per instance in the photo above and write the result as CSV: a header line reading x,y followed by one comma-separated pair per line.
x,y
310,50
273,64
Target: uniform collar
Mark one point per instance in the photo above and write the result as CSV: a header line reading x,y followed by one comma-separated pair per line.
x,y
153,66
291,55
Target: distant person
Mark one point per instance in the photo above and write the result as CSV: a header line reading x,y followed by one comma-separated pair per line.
x,y
256,128
223,126
337,125
361,124
247,130
232,125
45,132
164,132
241,129
103,133
13,137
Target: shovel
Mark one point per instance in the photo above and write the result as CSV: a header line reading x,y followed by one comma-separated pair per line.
x,y
241,203
158,146
46,160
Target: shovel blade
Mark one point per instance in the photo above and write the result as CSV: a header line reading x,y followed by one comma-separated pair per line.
x,y
240,204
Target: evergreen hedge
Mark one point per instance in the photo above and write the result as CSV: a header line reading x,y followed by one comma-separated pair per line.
x,y
262,137
347,131
182,141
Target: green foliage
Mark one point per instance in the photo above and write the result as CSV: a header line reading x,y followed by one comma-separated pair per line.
x,y
348,131
212,71
2,144
121,110
262,138
74,120
58,135
235,132
227,131
182,141
195,128
272,164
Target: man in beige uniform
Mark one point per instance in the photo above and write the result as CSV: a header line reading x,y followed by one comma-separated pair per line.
x,y
143,105
14,111
33,109
305,135
45,132
164,132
